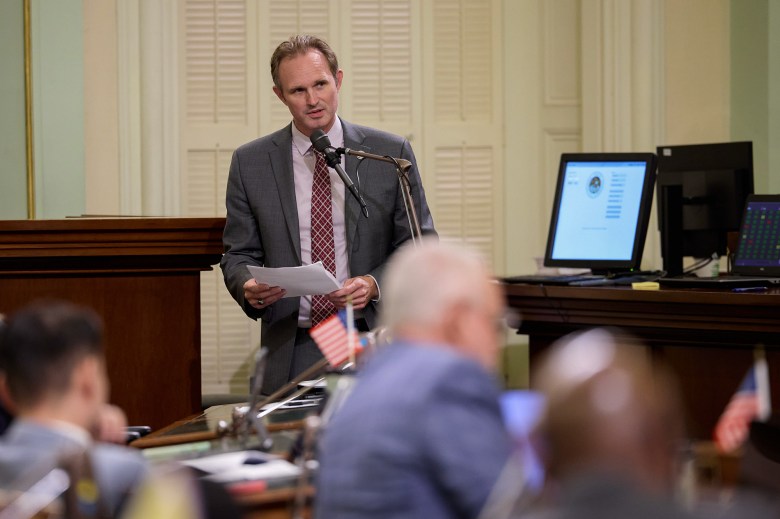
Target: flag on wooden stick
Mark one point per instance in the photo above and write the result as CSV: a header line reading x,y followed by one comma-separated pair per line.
x,y
333,338
750,402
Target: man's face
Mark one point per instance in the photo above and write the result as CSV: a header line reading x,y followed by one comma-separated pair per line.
x,y
310,91
475,329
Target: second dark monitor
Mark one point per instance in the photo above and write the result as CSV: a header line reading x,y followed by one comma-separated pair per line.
x,y
701,195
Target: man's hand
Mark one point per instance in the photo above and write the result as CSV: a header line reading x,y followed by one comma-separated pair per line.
x,y
111,424
361,289
261,295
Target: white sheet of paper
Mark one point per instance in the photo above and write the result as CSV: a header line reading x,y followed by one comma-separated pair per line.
x,y
232,466
298,281
222,462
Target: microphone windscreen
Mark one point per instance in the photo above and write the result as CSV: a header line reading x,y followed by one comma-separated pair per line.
x,y
320,140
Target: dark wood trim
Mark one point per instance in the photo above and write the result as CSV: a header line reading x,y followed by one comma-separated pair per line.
x,y
707,337
142,275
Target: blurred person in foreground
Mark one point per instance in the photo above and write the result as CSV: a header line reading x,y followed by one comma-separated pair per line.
x,y
111,425
5,415
611,432
53,378
421,434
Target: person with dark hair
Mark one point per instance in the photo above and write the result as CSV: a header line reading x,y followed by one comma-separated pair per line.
x,y
53,376
286,207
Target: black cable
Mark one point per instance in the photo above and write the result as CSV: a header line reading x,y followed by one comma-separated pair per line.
x,y
699,264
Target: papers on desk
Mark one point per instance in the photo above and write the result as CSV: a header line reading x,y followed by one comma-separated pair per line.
x,y
307,280
232,467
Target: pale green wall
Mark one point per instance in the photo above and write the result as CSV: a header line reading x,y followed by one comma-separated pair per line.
x,y
13,173
753,87
58,107
774,97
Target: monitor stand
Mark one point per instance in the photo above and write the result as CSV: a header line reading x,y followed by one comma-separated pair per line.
x,y
671,200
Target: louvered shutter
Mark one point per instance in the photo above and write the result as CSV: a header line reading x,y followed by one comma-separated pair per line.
x,y
218,116
381,68
287,18
464,190
464,124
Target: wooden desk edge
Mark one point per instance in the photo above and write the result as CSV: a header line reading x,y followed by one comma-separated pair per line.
x,y
160,438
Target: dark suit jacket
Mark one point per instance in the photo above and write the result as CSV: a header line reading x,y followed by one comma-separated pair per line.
x,y
596,494
28,451
420,436
262,225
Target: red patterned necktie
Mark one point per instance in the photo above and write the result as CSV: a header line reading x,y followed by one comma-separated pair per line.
x,y
322,247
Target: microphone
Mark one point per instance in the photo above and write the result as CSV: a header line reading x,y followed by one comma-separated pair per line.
x,y
321,143
250,419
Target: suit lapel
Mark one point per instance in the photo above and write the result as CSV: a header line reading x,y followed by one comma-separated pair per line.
x,y
281,165
353,139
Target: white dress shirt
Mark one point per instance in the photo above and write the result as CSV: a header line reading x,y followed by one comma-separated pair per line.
x,y
303,172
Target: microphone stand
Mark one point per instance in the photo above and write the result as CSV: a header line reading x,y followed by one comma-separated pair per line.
x,y
307,459
244,422
402,167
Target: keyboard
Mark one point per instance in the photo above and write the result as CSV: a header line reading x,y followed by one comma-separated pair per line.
x,y
586,280
617,280
560,280
728,281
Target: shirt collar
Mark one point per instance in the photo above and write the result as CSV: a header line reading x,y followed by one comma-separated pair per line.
x,y
70,430
73,431
303,144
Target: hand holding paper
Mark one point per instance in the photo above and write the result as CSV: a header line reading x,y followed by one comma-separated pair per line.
x,y
297,281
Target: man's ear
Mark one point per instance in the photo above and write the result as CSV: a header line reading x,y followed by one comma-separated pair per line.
x,y
453,323
280,95
339,79
5,395
85,378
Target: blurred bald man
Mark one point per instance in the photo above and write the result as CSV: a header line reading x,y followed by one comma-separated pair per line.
x,y
421,434
611,432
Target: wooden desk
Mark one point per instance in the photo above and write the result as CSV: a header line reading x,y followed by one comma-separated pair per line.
x,y
142,276
284,425
706,336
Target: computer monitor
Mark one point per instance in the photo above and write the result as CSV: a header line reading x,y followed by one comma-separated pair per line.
x,y
601,211
701,195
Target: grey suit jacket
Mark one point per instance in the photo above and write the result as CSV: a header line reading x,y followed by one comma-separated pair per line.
x,y
29,451
421,436
262,225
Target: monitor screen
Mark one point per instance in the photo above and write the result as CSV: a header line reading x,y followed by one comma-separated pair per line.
x,y
713,181
601,211
758,251
522,410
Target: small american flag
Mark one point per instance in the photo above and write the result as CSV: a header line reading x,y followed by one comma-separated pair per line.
x,y
750,402
332,338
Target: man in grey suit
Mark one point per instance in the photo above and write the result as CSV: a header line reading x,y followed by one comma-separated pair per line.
x,y
421,434
53,377
269,209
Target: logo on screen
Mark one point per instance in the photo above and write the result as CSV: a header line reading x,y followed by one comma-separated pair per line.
x,y
595,185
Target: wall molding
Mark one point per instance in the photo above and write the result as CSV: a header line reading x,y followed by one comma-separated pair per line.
x,y
159,107
623,82
622,74
129,106
148,107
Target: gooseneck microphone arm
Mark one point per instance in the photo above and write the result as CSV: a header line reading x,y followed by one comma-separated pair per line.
x,y
402,166
321,143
